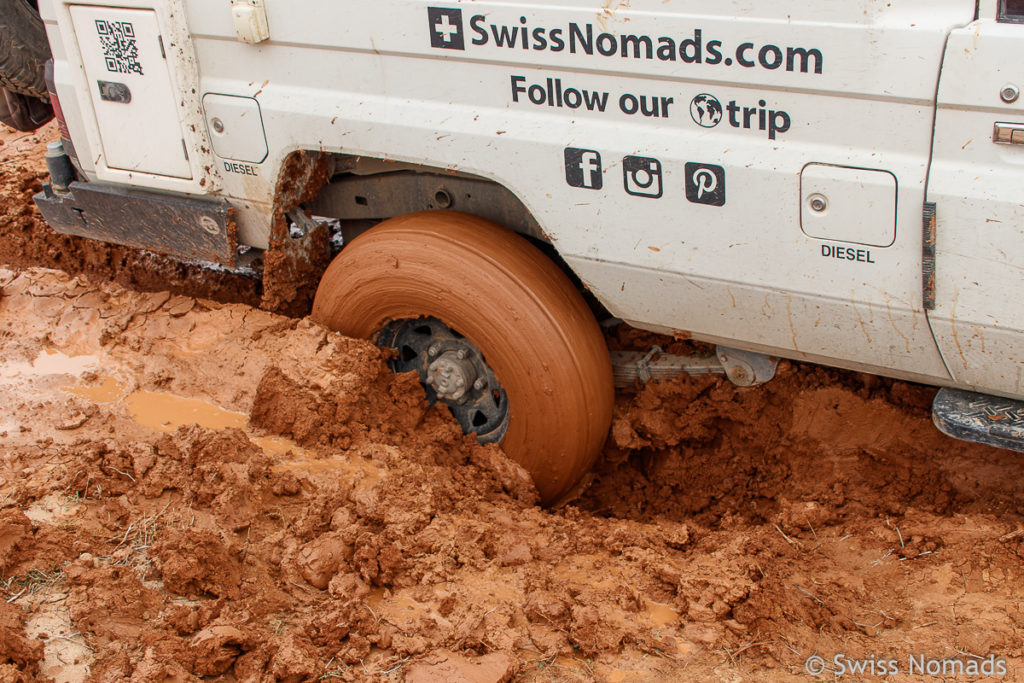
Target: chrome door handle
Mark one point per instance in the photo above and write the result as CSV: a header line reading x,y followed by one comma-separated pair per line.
x,y
1008,134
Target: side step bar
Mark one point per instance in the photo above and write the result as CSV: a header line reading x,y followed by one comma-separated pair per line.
x,y
980,418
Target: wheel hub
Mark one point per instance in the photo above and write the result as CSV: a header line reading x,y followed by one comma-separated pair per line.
x,y
453,370
451,375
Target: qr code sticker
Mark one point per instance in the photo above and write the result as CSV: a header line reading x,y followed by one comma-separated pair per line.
x,y
120,50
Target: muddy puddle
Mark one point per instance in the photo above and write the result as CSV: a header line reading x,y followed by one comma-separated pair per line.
x,y
166,413
107,390
49,363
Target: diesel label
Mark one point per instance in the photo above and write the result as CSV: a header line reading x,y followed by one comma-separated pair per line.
x,y
244,169
846,253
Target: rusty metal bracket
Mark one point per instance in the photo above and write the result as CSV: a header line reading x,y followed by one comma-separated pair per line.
x,y
746,368
385,195
743,368
180,226
630,366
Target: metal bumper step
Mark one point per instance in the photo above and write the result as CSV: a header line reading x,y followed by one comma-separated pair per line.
x,y
980,418
185,227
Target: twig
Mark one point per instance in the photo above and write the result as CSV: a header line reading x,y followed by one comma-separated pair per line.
x,y
401,663
658,653
746,647
898,533
790,647
879,560
809,594
926,552
124,473
788,539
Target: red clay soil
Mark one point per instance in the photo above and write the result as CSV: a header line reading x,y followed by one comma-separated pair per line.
x,y
321,522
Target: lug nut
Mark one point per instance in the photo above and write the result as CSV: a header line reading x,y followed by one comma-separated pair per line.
x,y
479,384
463,354
459,382
430,379
434,350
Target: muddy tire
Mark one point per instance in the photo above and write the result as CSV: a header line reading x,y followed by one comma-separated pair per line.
x,y
22,112
24,49
495,288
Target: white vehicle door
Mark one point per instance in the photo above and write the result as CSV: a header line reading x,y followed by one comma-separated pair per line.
x,y
130,89
977,187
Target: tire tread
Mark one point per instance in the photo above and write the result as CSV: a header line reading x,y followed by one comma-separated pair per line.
x,y
24,49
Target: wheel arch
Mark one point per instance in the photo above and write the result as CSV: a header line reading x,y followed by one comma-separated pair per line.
x,y
360,192
361,189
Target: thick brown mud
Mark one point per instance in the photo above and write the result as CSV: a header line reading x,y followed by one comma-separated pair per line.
x,y
191,487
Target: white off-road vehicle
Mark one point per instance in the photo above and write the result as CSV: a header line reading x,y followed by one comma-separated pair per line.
x,y
836,182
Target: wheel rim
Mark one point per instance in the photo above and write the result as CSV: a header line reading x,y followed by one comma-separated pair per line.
x,y
451,369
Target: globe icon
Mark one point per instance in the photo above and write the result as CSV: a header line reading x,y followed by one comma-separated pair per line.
x,y
706,110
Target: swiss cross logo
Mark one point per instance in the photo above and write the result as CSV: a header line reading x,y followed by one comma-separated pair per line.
x,y
446,28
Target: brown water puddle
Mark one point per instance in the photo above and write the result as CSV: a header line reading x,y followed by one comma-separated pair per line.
x,y
109,390
50,362
166,412
661,614
276,446
163,412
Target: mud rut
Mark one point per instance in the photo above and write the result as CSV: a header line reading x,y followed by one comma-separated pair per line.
x,y
322,523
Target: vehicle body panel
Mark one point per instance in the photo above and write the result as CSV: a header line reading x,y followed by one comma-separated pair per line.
x,y
978,189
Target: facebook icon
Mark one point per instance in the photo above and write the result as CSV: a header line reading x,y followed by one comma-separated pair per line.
x,y
583,168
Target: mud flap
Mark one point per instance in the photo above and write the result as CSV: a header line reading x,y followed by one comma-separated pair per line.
x,y
980,418
180,226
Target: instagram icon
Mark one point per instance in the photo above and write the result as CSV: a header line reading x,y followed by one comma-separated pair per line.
x,y
642,176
